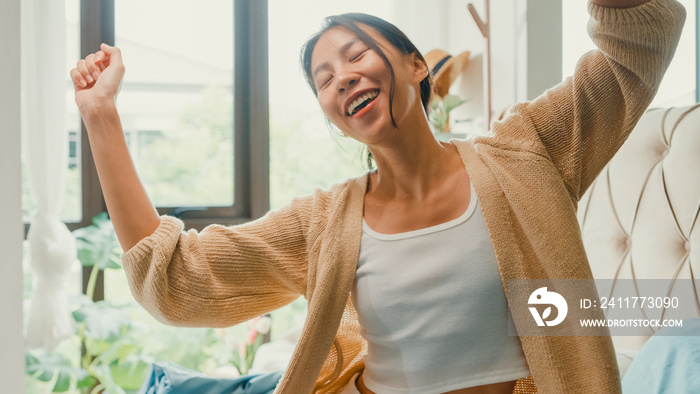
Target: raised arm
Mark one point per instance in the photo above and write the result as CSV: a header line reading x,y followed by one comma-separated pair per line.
x,y
218,277
96,80
582,122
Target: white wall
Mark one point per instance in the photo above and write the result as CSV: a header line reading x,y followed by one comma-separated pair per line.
x,y
526,48
544,46
11,231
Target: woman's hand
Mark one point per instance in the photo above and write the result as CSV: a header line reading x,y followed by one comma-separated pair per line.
x,y
97,78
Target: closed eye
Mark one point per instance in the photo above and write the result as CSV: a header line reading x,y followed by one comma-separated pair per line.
x,y
356,57
326,82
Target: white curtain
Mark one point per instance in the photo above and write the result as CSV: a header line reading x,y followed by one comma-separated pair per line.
x,y
45,141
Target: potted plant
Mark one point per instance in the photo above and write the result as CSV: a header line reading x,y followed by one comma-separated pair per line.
x,y
439,116
110,360
114,358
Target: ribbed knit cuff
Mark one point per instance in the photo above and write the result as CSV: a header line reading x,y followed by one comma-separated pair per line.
x,y
164,238
633,15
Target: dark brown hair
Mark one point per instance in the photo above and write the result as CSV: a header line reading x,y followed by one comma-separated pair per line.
x,y
390,32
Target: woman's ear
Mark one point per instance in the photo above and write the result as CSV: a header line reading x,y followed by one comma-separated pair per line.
x,y
420,69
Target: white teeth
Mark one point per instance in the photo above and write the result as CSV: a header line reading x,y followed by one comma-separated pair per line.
x,y
360,100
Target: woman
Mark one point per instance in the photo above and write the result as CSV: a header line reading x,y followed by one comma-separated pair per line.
x,y
334,246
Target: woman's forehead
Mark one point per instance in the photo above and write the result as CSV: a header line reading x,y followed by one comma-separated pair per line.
x,y
339,38
335,38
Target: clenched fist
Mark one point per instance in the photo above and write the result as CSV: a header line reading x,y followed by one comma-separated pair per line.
x,y
97,78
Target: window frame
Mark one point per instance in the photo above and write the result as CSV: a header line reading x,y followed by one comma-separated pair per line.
x,y
251,112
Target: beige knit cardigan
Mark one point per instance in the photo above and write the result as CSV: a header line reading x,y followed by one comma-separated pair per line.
x,y
528,174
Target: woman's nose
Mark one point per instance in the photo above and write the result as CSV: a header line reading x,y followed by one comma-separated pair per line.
x,y
346,81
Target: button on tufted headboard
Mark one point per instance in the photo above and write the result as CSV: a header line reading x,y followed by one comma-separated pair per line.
x,y
639,219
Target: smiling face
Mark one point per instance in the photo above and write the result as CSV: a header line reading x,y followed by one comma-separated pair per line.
x,y
353,83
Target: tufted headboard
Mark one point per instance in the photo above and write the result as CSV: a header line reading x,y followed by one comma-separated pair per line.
x,y
639,219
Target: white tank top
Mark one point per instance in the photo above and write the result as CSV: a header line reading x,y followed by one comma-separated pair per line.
x,y
432,308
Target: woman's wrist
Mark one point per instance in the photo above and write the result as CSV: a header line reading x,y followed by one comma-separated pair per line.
x,y
96,107
100,117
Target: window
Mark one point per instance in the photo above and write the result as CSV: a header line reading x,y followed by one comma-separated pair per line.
x,y
183,81
180,83
193,106
679,86
183,85
189,104
73,143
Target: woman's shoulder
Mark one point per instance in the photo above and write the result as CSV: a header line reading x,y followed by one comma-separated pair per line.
x,y
342,189
321,200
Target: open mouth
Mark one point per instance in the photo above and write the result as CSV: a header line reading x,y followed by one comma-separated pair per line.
x,y
361,102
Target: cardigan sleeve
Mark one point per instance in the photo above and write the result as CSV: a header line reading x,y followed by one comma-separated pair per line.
x,y
223,275
582,122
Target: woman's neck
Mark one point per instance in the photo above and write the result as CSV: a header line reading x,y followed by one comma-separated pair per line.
x,y
411,165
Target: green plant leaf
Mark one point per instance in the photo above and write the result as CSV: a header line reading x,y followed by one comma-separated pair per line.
x,y
78,301
103,321
437,116
104,374
96,347
98,244
44,365
236,359
435,104
130,373
119,351
451,102
100,218
86,383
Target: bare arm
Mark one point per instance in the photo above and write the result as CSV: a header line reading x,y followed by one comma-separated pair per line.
x,y
96,80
